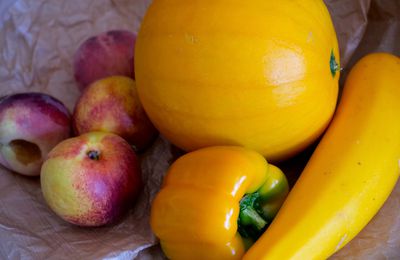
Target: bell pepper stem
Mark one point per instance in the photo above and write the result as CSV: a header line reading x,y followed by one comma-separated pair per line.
x,y
251,222
251,216
257,209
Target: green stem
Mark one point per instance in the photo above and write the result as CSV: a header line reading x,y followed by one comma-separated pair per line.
x,y
249,216
251,222
333,64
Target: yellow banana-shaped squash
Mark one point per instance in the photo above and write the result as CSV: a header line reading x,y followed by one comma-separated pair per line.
x,y
350,174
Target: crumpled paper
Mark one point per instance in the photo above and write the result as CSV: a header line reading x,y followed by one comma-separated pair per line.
x,y
37,42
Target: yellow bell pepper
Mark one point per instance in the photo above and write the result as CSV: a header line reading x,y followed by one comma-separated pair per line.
x,y
215,202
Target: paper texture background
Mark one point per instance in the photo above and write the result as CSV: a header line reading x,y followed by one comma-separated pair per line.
x,y
37,42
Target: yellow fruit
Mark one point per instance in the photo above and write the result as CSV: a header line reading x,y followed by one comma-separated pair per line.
x,y
260,74
351,173
215,201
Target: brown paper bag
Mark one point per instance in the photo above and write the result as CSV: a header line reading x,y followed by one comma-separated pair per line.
x,y
37,42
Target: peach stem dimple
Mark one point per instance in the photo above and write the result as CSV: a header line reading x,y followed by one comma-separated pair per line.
x,y
93,155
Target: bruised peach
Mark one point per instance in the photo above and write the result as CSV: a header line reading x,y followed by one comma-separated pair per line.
x,y
107,54
112,105
31,124
92,179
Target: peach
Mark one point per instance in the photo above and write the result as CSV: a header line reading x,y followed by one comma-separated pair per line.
x,y
31,124
92,179
107,54
112,105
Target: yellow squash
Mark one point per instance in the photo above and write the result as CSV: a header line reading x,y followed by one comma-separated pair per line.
x,y
260,74
350,174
